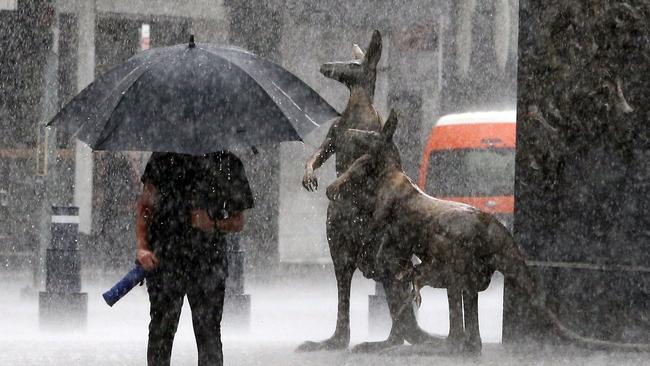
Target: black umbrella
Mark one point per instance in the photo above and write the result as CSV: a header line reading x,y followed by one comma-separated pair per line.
x,y
193,99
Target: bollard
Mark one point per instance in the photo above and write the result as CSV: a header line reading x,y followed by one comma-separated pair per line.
x,y
62,304
237,304
379,321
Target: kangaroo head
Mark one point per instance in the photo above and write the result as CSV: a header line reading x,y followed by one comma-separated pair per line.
x,y
359,72
380,156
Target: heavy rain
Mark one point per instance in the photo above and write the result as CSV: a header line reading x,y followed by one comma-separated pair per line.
x,y
303,182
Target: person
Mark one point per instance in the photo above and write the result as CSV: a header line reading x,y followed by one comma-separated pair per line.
x,y
188,204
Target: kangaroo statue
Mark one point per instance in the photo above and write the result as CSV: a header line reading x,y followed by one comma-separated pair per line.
x,y
460,246
345,222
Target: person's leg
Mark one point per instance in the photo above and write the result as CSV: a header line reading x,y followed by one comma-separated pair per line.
x,y
165,310
205,294
207,309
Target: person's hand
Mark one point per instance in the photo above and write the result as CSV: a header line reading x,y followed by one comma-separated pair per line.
x,y
232,224
309,180
202,221
147,259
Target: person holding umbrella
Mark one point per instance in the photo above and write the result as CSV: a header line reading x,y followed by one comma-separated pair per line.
x,y
187,206
195,102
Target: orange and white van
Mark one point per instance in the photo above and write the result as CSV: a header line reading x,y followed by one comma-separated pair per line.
x,y
470,158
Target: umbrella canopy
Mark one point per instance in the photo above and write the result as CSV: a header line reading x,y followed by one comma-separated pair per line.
x,y
193,99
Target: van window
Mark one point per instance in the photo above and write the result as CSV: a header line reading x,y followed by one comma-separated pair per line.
x,y
471,172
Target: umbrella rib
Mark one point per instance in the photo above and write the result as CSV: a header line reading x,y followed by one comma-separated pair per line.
x,y
103,135
294,103
291,99
104,99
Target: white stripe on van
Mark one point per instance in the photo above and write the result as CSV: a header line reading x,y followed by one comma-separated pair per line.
x,y
478,117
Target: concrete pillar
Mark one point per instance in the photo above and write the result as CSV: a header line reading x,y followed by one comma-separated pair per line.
x,y
83,182
46,141
258,28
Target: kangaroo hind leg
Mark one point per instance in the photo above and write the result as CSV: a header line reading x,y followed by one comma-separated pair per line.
x,y
473,344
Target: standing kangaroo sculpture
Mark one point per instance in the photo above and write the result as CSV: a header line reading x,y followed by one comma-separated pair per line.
x,y
345,221
460,246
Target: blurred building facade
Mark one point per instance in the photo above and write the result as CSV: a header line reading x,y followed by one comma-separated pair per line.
x,y
439,57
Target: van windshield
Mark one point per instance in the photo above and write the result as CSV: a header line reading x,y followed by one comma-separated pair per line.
x,y
471,173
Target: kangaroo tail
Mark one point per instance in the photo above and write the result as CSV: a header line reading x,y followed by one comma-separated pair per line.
x,y
510,261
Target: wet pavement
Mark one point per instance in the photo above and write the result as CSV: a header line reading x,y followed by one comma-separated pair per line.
x,y
283,315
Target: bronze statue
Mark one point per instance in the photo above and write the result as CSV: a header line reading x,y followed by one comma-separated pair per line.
x,y
345,221
460,246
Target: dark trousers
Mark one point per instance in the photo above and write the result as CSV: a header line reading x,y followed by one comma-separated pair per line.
x,y
203,281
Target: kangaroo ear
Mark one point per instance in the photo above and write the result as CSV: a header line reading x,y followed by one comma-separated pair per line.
x,y
388,130
373,53
357,52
